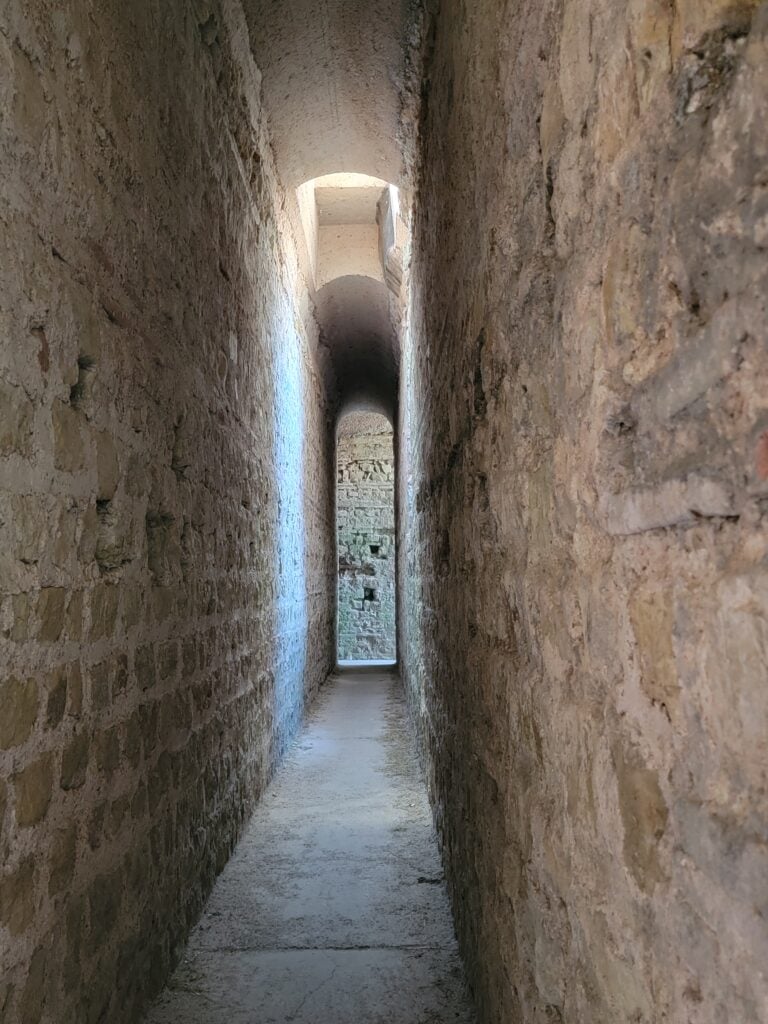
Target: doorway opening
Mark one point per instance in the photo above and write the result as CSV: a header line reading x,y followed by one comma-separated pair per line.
x,y
365,532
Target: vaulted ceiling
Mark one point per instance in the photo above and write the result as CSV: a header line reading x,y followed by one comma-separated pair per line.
x,y
335,89
332,81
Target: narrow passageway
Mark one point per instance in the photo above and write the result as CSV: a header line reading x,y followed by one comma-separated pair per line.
x,y
334,330
333,907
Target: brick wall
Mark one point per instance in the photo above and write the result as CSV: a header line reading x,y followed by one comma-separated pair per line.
x,y
164,456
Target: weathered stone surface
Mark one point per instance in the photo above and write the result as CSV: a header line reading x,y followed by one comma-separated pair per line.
x,y
3,805
18,897
108,750
62,861
74,762
582,492
56,702
16,420
32,1000
107,466
164,618
50,611
33,790
19,700
68,446
105,602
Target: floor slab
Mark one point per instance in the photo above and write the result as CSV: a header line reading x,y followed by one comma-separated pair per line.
x,y
333,907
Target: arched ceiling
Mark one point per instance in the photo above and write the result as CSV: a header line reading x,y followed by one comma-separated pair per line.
x,y
332,77
365,423
336,95
353,313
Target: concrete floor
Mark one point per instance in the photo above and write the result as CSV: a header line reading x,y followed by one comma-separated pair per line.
x,y
332,909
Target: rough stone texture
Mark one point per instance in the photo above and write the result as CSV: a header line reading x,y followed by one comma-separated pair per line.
x,y
164,455
365,525
584,449
335,84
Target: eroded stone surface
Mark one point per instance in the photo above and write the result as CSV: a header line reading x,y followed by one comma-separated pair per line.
x,y
583,603
164,454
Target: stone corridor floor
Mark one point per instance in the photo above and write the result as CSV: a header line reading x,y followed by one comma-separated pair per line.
x,y
333,909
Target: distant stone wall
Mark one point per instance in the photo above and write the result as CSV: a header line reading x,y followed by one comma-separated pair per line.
x,y
365,515
161,623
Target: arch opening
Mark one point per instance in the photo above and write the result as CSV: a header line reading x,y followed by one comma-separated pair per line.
x,y
355,236
365,532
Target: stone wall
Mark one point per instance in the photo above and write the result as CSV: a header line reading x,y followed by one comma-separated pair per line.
x,y
164,455
365,520
584,475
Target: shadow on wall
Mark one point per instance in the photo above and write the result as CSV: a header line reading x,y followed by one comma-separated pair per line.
x,y
365,520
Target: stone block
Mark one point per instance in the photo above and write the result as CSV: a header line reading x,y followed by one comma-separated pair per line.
x,y
19,701
68,444
56,703
107,466
18,897
189,655
115,542
89,534
73,932
62,861
74,761
33,788
50,612
159,782
168,660
144,661
132,609
74,616
105,599
139,804
104,901
33,995
119,675
644,815
95,831
75,688
118,811
652,615
163,548
16,421
22,628
670,503
149,717
64,537
100,692
32,526
132,740
107,747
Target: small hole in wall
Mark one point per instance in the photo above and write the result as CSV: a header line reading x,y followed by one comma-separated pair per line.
x,y
369,594
375,548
